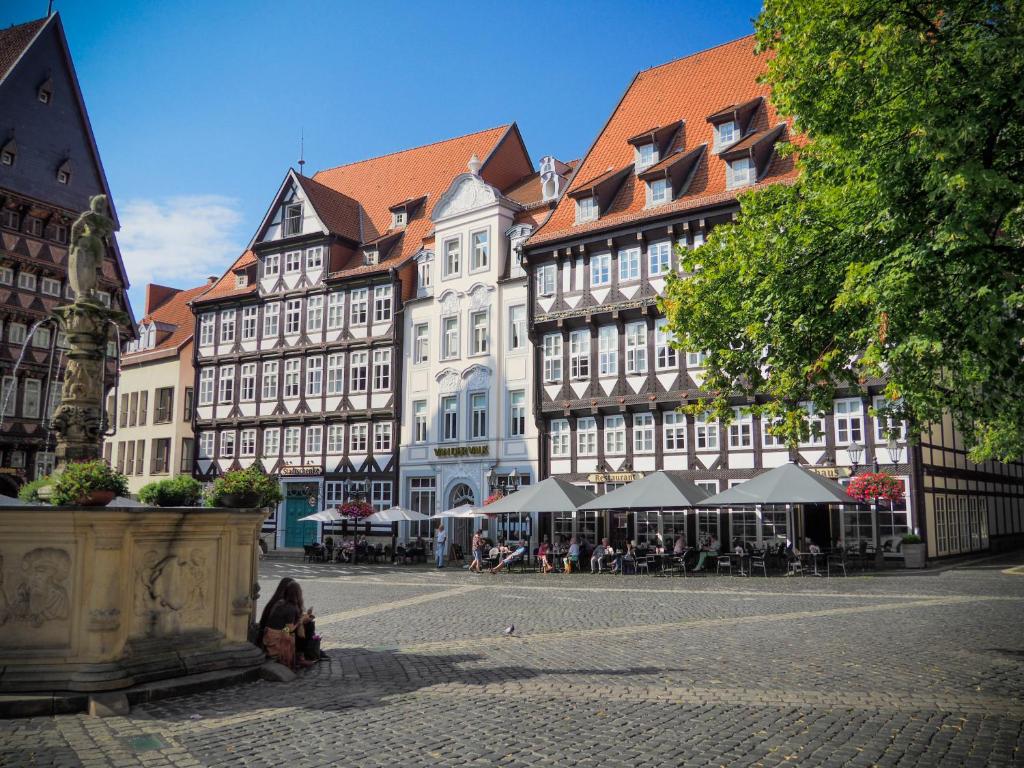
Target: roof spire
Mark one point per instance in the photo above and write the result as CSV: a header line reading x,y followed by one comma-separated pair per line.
x,y
302,149
474,165
49,9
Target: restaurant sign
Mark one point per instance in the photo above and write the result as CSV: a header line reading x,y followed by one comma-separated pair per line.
x,y
833,472
614,477
462,450
304,470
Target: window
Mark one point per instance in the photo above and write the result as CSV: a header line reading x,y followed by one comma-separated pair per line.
x,y
450,418
546,279
292,262
41,338
560,437
419,421
292,370
26,281
7,157
9,218
674,431
50,286
579,354
335,374
629,264
696,359
423,498
849,416
767,438
421,343
382,437
424,272
586,209
291,441
271,320
292,316
643,433
247,442
227,445
481,329
480,256
187,448
659,257
227,325
614,434
398,218
478,416
165,404
382,304
359,363
381,370
140,456
450,338
741,429
249,317
358,438
380,494
586,436
336,438
636,347
271,265
665,354
6,275
335,310
16,333
293,219
705,432
371,256
360,305
553,357
658,191
206,445
516,328
452,256
334,493
226,392
314,376
725,134
314,440
269,380
60,233
740,173
314,257
189,397
8,393
31,401
517,413
608,350
646,156
241,280
271,442
205,387
133,409
314,313
884,425
63,177
600,270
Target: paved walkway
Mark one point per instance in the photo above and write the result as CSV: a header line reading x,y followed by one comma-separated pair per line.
x,y
604,671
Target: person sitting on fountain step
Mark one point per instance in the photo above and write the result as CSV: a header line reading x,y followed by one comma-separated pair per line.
x,y
289,627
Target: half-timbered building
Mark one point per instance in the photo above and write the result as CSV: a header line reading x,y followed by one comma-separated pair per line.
x,y
49,168
686,139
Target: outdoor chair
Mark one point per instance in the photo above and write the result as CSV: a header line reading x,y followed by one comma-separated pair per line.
x,y
676,565
757,560
643,565
724,564
795,567
835,560
308,553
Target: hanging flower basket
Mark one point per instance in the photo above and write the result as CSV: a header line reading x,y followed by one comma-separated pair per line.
x,y
357,510
496,496
872,486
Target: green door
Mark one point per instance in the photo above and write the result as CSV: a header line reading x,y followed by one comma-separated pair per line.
x,y
297,534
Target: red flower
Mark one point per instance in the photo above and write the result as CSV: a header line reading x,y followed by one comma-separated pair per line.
x,y
496,496
357,509
872,486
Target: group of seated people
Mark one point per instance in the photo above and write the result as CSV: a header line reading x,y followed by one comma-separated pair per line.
x,y
287,629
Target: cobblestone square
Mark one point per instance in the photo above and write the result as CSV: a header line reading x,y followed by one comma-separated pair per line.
x,y
605,671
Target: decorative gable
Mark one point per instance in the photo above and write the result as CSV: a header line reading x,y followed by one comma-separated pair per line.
x,y
467,193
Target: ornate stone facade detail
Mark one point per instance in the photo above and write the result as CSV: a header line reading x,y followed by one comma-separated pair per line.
x,y
450,303
171,583
41,594
448,381
467,193
477,377
480,296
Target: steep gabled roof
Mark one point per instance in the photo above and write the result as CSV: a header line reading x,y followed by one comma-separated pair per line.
x,y
14,41
691,90
339,212
174,311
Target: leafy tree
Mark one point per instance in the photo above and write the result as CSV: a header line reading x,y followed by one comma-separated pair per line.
x,y
898,254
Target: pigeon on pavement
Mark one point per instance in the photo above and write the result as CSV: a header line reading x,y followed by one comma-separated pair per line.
x,y
510,629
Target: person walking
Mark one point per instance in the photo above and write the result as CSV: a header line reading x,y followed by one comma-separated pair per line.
x,y
440,538
478,552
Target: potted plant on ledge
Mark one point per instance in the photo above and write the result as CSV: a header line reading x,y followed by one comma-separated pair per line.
x,y
244,488
88,484
181,491
913,551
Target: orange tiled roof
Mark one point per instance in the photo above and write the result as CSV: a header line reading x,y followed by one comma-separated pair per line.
x,y
174,311
689,89
13,42
527,191
339,212
226,285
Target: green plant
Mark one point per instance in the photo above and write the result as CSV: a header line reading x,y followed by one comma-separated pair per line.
x,y
181,491
30,491
242,482
80,479
911,538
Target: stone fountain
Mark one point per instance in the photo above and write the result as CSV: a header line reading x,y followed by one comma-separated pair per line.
x,y
116,599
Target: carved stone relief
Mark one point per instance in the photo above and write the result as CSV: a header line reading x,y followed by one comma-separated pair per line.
x,y
480,296
41,594
171,584
477,377
448,381
450,303
466,193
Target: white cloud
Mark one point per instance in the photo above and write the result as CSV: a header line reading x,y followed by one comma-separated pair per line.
x,y
179,241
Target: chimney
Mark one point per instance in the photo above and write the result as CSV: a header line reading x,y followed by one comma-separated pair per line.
x,y
211,279
157,296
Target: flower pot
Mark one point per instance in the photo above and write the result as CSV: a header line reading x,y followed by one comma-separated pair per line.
x,y
96,499
913,555
240,500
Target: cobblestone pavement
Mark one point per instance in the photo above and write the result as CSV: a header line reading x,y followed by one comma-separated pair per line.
x,y
604,671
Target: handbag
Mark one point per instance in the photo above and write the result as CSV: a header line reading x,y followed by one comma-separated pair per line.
x,y
312,649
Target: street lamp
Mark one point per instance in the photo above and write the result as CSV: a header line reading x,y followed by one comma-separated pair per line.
x,y
489,479
513,480
895,451
855,451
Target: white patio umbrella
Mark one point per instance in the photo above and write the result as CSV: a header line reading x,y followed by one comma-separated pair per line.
x,y
324,516
463,511
396,515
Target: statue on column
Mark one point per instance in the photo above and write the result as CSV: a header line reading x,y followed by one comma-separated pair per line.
x,y
89,236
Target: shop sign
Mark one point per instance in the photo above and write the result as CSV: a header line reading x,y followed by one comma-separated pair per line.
x,y
462,450
614,477
305,470
12,471
831,472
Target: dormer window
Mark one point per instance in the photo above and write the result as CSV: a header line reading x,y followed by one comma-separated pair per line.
x,y
725,134
241,280
424,275
8,153
646,156
293,219
45,91
398,219
658,192
740,173
371,257
63,177
586,209
35,226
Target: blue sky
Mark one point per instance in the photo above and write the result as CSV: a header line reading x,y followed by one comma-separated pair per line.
x,y
197,105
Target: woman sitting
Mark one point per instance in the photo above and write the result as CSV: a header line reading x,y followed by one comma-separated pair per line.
x,y
287,626
542,556
572,560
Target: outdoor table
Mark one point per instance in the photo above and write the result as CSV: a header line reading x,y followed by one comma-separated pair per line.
x,y
814,558
743,561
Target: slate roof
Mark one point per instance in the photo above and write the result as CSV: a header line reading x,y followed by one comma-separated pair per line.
x,y
14,41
